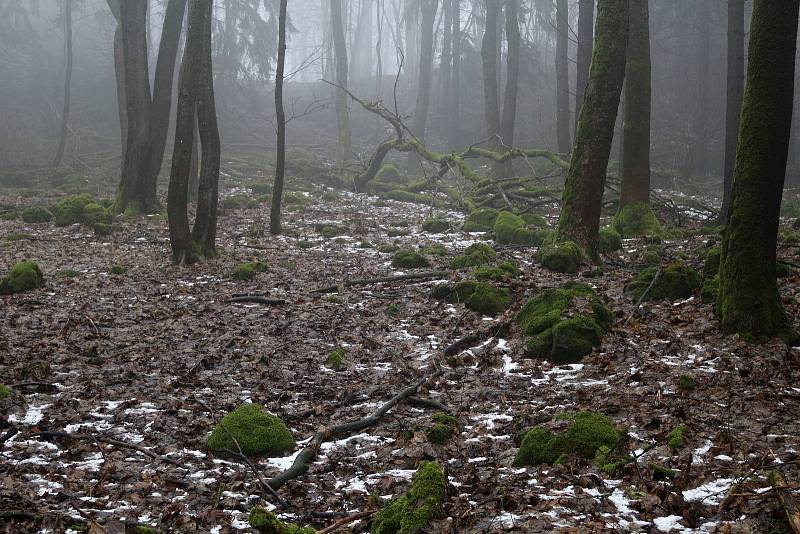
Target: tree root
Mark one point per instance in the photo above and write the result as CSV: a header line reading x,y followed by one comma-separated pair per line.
x,y
255,299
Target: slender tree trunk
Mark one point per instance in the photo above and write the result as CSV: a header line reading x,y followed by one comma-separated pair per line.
x,y
411,23
340,49
512,82
636,119
67,82
425,67
749,302
119,75
489,62
581,204
562,76
194,165
585,43
455,97
280,155
735,91
698,146
446,64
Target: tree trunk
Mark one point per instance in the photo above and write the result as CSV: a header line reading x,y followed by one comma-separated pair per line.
x,y
454,133
512,82
342,114
446,64
280,154
585,44
425,67
748,301
636,118
194,165
698,144
735,90
562,76
119,76
67,82
489,63
579,220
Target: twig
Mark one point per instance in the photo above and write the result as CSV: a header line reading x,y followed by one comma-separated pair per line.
x,y
102,439
428,403
255,299
643,295
346,520
382,279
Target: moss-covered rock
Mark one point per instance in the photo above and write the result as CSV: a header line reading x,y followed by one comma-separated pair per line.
x,y
117,270
534,219
444,427
675,439
635,220
23,276
335,359
477,296
409,259
474,255
608,240
329,231
69,210
36,214
651,256
411,512
675,281
247,271
561,256
388,248
710,290
5,391
434,225
496,273
564,323
437,249
258,433
94,213
711,263
398,232
510,229
480,220
265,522
587,432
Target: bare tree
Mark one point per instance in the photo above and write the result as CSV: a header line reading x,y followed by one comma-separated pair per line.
x,y
562,76
585,43
340,50
280,153
735,92
67,83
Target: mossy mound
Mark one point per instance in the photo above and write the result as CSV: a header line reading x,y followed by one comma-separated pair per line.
x,y
435,226
94,213
117,270
409,259
412,512
651,256
258,433
239,201
36,215
510,229
534,219
329,231
711,263
676,438
561,256
388,249
608,240
474,255
437,249
247,271
504,271
5,391
710,290
586,434
402,195
69,210
480,220
477,296
265,522
676,281
444,427
564,323
335,359
635,220
23,276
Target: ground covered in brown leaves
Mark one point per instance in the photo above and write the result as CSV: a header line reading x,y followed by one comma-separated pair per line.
x,y
154,356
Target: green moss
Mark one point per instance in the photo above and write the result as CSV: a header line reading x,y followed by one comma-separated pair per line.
x,y
636,219
608,240
388,173
5,391
94,213
335,359
247,271
409,259
265,522
36,214
398,232
392,309
510,229
534,219
258,432
561,257
143,529
388,249
329,231
411,512
586,433
504,271
68,273
19,236
474,255
103,229
296,199
711,264
306,244
69,210
675,439
477,296
331,196
444,427
686,383
23,276
675,281
564,323
662,472
436,249
651,257
365,244
435,226
480,220
117,270
710,290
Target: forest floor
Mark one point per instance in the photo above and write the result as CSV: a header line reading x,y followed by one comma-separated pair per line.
x,y
154,356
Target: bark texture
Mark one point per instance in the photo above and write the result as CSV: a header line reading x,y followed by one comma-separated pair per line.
x,y
340,51
562,76
733,101
67,83
489,51
585,43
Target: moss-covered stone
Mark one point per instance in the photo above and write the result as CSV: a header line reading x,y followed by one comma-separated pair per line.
x,y
258,433
402,195
94,213
534,219
711,263
561,256
329,231
586,433
434,225
636,220
564,323
504,271
409,259
306,244
510,229
675,440
36,214
710,290
388,248
23,276
675,281
686,383
247,271
437,249
5,391
265,522
651,257
608,240
474,255
411,512
117,270
444,427
480,220
477,296
364,244
69,210
335,359
68,273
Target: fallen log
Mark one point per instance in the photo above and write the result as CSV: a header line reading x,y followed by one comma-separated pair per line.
x,y
254,299
784,494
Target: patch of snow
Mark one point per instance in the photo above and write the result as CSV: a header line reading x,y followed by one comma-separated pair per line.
x,y
668,523
33,416
710,493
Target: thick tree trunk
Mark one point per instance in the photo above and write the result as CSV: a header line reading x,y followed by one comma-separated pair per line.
x,y
562,76
512,82
67,83
585,44
454,134
280,154
340,50
748,301
579,220
489,47
735,91
636,119
425,67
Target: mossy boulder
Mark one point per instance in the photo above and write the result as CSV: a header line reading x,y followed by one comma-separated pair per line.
x,y
474,255
636,220
258,432
510,229
434,225
23,276
676,438
651,256
437,249
409,259
5,391
247,271
676,281
710,290
496,273
608,240
564,323
413,511
265,522
534,219
94,213
335,359
585,434
480,220
444,427
711,263
388,248
69,210
36,215
117,270
477,296
561,256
